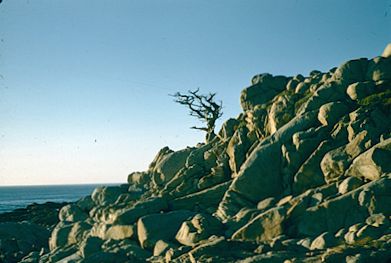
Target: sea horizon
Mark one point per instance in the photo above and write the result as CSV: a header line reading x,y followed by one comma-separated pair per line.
x,y
66,184
13,196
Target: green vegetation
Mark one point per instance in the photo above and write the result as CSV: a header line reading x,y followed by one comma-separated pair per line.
x,y
381,99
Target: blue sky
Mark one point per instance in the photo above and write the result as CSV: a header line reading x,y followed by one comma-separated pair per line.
x,y
84,84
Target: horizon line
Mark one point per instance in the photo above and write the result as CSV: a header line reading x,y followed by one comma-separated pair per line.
x,y
66,184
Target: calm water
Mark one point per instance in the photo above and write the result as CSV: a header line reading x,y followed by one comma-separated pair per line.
x,y
12,197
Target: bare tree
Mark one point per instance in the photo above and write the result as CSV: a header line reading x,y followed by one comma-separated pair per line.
x,y
203,107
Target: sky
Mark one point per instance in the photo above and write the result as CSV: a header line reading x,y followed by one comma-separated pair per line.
x,y
84,85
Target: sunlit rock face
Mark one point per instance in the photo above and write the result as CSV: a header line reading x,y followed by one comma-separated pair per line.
x,y
302,175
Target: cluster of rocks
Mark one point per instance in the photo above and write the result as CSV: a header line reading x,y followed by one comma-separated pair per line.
x,y
302,175
27,229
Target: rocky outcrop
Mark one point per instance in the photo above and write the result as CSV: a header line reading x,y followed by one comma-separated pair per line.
x,y
302,175
26,230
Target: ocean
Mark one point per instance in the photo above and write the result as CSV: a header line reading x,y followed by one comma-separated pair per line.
x,y
12,197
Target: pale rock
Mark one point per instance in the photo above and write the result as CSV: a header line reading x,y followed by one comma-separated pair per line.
x,y
130,215
164,226
250,184
107,194
266,203
78,232
256,122
360,90
387,51
327,92
237,149
345,210
260,175
305,242
323,241
119,232
161,247
168,165
284,200
372,163
207,198
368,233
352,71
159,156
377,220
309,174
330,113
139,178
349,184
292,84
59,236
264,88
379,68
85,203
263,227
199,227
281,112
337,161
228,129
72,213
302,87
216,249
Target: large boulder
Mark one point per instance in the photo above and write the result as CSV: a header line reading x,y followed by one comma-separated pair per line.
x,y
114,232
260,176
330,113
72,213
360,90
309,174
379,68
228,129
199,227
323,241
59,236
169,164
164,226
263,227
265,87
345,210
256,120
351,71
139,178
216,249
129,215
349,184
65,234
106,195
327,92
159,156
207,199
161,247
237,149
337,161
373,163
281,112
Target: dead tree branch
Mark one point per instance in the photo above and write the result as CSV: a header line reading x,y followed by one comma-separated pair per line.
x,y
203,107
